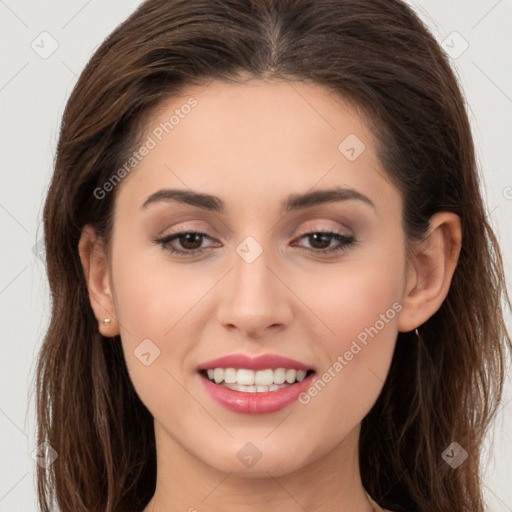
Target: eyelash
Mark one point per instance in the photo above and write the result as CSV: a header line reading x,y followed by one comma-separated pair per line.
x,y
345,241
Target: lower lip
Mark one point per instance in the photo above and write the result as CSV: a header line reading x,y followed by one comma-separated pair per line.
x,y
256,403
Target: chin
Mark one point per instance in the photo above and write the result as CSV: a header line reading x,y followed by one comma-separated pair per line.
x,y
258,459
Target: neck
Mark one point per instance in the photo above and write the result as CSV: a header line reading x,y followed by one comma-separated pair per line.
x,y
330,482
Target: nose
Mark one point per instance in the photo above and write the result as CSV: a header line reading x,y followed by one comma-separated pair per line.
x,y
254,298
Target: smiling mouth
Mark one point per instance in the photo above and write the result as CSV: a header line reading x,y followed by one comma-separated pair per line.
x,y
250,381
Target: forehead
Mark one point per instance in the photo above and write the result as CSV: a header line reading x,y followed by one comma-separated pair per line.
x,y
256,139
255,111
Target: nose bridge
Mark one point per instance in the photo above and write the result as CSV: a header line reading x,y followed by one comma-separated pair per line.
x,y
253,282
254,298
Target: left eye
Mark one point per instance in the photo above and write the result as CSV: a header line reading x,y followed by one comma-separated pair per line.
x,y
191,241
321,237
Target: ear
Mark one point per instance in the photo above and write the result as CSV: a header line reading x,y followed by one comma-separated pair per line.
x,y
430,271
95,264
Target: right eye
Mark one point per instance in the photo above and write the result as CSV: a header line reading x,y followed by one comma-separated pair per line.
x,y
187,239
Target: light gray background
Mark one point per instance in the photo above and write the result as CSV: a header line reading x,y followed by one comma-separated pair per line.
x,y
33,92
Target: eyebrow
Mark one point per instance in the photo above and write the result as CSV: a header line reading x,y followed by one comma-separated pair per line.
x,y
291,203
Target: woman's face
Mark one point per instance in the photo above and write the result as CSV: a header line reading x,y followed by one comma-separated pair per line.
x,y
262,282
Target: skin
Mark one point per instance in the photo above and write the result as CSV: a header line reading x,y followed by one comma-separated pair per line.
x,y
266,139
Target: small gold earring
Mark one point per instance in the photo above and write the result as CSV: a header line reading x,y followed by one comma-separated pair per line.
x,y
417,333
106,321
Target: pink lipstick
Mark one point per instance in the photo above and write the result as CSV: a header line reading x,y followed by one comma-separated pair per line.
x,y
255,385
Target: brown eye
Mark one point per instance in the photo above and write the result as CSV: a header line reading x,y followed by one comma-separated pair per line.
x,y
189,242
321,240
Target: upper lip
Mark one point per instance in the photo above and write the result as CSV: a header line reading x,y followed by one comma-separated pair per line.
x,y
261,362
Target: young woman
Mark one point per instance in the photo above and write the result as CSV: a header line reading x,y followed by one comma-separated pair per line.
x,y
274,283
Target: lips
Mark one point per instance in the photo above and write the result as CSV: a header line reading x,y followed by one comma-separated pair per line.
x,y
256,403
255,396
261,362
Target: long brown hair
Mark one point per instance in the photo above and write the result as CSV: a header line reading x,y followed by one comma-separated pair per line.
x,y
443,386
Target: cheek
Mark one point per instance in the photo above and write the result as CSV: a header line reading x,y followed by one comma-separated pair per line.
x,y
363,295
151,301
153,294
360,307
152,310
357,357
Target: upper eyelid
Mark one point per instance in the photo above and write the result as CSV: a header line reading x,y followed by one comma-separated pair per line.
x,y
318,222
315,229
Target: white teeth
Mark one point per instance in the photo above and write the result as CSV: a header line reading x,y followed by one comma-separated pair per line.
x,y
255,381
290,376
230,376
264,377
218,375
279,375
301,375
245,377
254,389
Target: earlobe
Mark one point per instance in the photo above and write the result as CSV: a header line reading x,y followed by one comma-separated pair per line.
x,y
430,271
95,266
